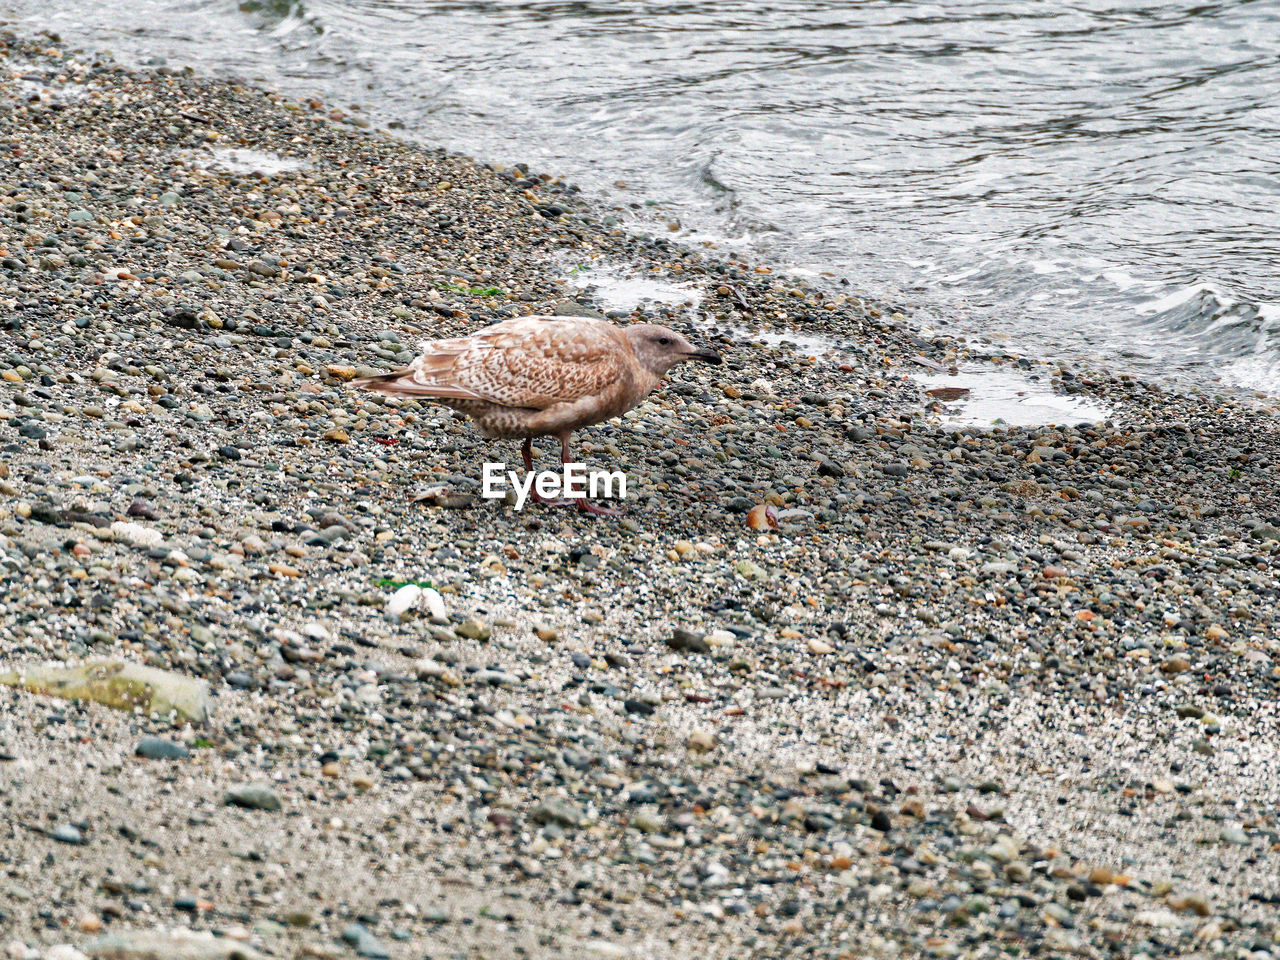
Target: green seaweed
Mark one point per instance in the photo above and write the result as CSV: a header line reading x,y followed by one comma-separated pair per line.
x,y
474,291
397,584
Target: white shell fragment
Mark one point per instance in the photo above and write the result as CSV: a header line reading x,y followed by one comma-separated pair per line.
x,y
412,597
403,601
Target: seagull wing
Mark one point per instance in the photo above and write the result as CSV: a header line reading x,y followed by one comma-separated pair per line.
x,y
529,362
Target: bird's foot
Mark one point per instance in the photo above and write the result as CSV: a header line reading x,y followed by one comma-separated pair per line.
x,y
586,506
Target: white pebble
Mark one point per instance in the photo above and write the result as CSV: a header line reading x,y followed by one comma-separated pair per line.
x,y
403,600
434,603
413,597
136,534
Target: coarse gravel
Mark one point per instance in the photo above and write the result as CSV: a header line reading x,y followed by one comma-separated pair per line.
x,y
849,680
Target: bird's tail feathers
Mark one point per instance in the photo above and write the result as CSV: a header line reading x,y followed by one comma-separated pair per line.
x,y
405,383
382,382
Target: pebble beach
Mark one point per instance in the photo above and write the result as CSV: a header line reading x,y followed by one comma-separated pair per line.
x,y
861,673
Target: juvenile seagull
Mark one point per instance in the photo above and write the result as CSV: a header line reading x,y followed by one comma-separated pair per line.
x,y
542,376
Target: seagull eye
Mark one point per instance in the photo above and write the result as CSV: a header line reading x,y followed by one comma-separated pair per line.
x,y
665,341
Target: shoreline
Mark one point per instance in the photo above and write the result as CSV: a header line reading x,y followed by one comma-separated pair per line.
x,y
992,689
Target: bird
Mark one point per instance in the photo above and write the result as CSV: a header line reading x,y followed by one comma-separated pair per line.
x,y
541,376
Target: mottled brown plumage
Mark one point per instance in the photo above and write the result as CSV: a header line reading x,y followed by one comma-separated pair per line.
x,y
542,376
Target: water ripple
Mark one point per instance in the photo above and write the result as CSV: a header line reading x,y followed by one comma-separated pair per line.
x,y
1088,178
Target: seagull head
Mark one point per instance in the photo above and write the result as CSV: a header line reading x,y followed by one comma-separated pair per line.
x,y
661,348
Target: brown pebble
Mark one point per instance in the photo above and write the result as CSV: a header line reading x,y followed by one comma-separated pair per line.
x,y
947,394
1190,904
912,808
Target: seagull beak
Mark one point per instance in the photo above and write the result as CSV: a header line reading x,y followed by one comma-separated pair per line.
x,y
706,356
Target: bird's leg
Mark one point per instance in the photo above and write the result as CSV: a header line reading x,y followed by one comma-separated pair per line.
x,y
527,451
585,505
